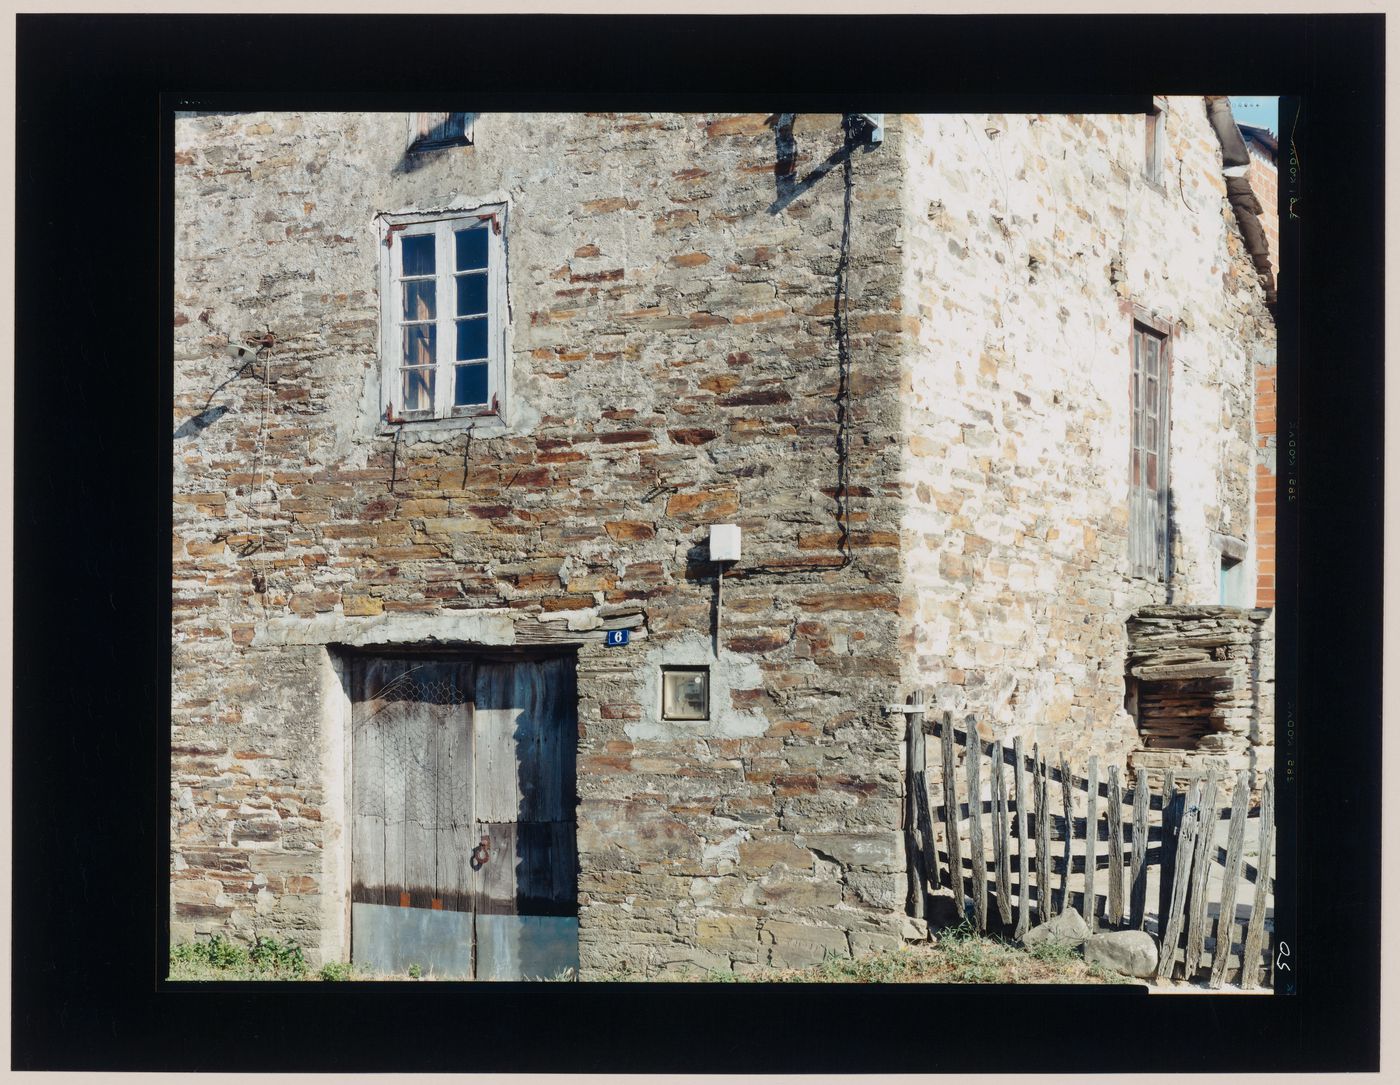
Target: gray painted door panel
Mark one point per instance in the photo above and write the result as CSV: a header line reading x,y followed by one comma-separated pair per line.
x,y
444,754
390,939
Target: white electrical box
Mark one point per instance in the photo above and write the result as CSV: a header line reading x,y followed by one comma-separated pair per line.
x,y
724,542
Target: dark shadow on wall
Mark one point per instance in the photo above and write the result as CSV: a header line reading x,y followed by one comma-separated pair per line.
x,y
785,182
202,421
208,415
541,695
1173,541
419,154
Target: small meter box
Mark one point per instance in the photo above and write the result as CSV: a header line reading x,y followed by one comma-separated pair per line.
x,y
724,542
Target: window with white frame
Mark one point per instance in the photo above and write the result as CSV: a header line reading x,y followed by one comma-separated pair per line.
x,y
442,290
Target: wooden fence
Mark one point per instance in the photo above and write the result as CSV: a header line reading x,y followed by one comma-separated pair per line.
x,y
1074,839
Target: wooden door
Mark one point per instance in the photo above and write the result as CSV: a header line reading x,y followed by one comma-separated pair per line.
x,y
526,737
462,836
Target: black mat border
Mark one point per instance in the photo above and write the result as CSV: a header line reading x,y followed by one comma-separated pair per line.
x,y
91,514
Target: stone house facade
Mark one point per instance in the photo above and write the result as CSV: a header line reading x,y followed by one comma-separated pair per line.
x,y
900,361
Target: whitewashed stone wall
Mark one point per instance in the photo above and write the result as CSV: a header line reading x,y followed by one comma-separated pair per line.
x,y
1029,239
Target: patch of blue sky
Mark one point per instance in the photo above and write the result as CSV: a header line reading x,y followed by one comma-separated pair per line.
x,y
1262,112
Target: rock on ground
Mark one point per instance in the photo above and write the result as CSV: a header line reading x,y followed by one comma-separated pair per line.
x,y
1068,928
1133,953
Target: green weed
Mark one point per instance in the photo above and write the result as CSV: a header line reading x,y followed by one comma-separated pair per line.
x,y
220,958
279,958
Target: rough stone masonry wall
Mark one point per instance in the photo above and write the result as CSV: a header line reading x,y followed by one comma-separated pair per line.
x,y
1029,241
673,366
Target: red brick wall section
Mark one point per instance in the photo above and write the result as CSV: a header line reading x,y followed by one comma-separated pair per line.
x,y
1263,178
1266,480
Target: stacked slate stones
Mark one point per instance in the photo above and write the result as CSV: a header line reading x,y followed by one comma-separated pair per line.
x,y
1196,673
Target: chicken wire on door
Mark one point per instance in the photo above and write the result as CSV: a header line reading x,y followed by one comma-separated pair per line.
x,y
463,854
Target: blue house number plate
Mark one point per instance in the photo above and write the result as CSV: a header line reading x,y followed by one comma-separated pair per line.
x,y
616,637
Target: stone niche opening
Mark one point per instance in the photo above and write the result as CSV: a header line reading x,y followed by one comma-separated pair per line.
x,y
1197,678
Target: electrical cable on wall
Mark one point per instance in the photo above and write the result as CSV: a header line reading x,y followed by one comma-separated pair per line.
x,y
394,459
843,359
264,352
851,127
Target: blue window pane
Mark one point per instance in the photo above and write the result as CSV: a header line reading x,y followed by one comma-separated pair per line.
x,y
471,339
420,344
471,247
419,255
471,295
420,300
471,385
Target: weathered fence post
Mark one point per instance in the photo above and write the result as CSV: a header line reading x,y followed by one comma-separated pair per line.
x,y
1114,917
1065,782
950,816
1023,913
921,799
1137,884
1200,876
1254,940
1173,804
975,842
1091,845
1185,846
1234,854
1042,836
914,842
1001,840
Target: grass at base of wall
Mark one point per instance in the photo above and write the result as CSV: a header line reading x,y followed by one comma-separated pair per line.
x,y
220,960
960,955
335,972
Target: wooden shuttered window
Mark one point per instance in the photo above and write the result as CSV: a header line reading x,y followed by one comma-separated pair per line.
x,y
441,129
1148,480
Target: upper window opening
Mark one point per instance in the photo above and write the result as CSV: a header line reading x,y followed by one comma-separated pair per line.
x,y
1149,394
441,130
1156,141
1231,582
443,292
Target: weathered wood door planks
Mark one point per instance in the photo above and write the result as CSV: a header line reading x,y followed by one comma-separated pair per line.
x,y
446,753
527,910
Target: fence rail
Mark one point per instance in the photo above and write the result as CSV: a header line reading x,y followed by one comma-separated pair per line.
x,y
1091,843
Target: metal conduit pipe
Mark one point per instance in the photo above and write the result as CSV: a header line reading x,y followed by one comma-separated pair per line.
x,y
1237,189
